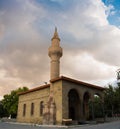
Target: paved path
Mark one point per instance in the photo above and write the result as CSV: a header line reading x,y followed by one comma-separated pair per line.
x,y
111,125
14,126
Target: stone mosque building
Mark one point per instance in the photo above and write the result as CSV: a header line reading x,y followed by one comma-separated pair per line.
x,y
63,99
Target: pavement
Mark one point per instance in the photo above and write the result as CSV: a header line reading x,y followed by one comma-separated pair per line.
x,y
14,125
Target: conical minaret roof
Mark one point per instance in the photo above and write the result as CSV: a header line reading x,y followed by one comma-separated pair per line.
x,y
55,36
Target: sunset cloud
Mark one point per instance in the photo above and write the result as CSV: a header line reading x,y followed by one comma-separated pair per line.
x,y
90,44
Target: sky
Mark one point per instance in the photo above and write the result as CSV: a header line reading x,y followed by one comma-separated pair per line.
x,y
90,37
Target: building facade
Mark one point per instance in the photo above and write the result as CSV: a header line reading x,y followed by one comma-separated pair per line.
x,y
62,99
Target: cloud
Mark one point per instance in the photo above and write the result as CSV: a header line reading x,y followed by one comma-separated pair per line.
x,y
85,66
110,10
90,44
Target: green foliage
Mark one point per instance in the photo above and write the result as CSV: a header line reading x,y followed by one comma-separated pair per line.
x,y
117,99
3,112
112,100
96,108
10,101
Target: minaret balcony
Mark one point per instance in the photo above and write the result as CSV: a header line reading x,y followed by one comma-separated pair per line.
x,y
55,51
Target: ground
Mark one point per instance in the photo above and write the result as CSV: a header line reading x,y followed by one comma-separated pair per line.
x,y
110,125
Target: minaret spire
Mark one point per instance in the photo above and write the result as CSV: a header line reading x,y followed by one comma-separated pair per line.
x,y
55,36
55,52
55,29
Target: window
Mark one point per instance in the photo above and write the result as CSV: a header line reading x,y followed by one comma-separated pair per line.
x,y
24,109
41,108
32,109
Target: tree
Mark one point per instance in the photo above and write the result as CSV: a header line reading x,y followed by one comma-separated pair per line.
x,y
10,101
96,108
109,100
117,99
112,100
3,112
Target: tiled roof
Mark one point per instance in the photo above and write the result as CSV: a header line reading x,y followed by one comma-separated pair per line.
x,y
63,78
35,89
78,82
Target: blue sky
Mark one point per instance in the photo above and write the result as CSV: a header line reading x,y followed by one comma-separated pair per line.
x,y
114,17
61,6
89,32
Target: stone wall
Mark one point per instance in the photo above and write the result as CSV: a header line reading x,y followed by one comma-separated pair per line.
x,y
81,90
57,91
60,100
33,97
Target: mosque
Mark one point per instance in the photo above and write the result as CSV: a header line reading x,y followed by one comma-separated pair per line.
x,y
63,99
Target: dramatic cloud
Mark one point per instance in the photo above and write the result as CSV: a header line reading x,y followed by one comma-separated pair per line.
x,y
90,44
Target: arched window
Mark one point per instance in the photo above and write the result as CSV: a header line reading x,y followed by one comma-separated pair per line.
x,y
24,109
41,108
32,109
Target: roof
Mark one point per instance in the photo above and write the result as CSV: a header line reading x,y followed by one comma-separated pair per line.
x,y
35,89
66,79
77,82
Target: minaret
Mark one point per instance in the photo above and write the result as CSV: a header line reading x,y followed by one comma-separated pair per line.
x,y
55,52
